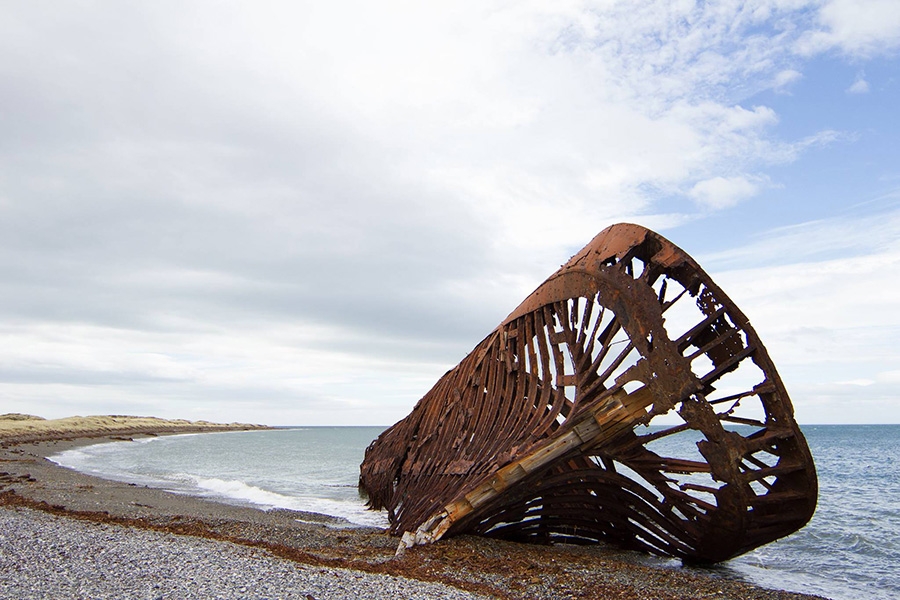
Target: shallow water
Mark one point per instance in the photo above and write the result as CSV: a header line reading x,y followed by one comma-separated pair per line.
x,y
848,551
313,469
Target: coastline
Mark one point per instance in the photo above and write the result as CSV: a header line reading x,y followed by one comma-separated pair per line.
x,y
28,481
19,429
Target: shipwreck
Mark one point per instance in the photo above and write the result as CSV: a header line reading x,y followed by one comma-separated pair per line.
x,y
627,400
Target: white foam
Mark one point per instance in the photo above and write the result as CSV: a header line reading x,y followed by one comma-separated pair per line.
x,y
238,490
68,458
79,459
355,513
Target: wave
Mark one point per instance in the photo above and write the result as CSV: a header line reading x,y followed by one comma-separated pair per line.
x,y
95,460
232,489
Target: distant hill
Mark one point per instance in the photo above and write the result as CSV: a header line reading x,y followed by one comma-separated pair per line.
x,y
17,428
20,417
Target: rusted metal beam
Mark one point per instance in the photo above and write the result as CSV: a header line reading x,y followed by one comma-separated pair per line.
x,y
539,433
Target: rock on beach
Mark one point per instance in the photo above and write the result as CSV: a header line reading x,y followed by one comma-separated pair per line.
x,y
46,556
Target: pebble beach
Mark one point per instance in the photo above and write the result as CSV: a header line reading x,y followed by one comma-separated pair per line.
x,y
48,556
65,534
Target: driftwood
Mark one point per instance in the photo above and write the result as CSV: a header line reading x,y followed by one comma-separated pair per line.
x,y
538,434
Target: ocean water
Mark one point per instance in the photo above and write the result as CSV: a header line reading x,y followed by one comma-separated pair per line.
x,y
850,550
312,469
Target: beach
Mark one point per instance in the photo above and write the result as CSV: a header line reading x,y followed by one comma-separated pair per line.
x,y
56,520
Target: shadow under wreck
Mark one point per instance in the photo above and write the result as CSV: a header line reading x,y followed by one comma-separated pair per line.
x,y
536,435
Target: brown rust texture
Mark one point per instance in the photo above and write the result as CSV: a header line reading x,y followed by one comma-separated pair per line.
x,y
626,400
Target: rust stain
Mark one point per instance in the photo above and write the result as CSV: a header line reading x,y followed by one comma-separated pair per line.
x,y
626,400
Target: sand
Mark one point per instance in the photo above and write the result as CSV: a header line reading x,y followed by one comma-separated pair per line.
x,y
28,481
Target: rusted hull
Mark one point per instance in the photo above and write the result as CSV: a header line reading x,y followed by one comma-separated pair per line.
x,y
537,435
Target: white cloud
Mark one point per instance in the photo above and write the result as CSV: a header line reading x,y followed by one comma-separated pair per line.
x,y
859,86
722,192
856,382
311,205
867,229
825,305
857,27
784,79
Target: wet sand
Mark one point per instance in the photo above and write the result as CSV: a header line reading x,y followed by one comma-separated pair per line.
x,y
488,567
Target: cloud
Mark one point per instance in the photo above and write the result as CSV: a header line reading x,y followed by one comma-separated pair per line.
x,y
856,382
784,79
822,298
866,229
722,192
316,208
860,85
861,28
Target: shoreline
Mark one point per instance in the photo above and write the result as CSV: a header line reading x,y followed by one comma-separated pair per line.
x,y
28,480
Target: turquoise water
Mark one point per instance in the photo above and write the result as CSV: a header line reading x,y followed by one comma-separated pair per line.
x,y
849,550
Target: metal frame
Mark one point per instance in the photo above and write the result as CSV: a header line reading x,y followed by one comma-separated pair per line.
x,y
537,435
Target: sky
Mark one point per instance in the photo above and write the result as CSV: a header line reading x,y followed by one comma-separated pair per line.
x,y
299,213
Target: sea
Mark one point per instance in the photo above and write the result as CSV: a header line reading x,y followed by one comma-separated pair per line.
x,y
850,549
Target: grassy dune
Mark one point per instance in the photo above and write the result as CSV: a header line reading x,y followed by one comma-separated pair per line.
x,y
19,428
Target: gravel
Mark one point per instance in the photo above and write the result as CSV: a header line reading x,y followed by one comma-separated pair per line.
x,y
45,556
